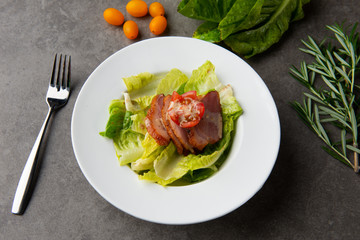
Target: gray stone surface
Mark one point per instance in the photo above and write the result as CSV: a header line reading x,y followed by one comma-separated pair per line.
x,y
308,195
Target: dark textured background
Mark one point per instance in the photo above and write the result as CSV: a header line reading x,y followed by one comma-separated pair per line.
x,y
308,195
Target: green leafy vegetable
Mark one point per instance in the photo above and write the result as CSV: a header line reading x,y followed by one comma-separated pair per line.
x,y
138,104
203,79
171,82
208,31
228,103
336,102
128,146
244,14
248,27
115,123
209,10
139,81
137,122
142,85
254,41
151,151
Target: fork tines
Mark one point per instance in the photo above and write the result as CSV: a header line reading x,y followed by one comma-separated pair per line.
x,y
61,73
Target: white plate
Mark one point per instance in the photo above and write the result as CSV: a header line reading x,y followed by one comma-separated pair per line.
x,y
252,157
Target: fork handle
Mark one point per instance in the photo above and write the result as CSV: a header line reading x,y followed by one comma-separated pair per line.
x,y
28,177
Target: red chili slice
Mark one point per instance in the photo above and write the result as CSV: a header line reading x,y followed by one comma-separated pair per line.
x,y
186,110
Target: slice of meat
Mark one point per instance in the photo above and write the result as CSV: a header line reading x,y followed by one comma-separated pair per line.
x,y
209,129
197,139
153,121
165,119
181,134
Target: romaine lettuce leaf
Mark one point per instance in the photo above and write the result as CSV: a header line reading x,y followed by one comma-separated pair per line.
x,y
138,104
127,120
229,104
165,165
135,113
299,13
152,177
127,129
138,122
244,14
203,79
248,27
196,175
208,31
151,151
128,146
254,41
143,84
209,10
171,82
115,123
139,81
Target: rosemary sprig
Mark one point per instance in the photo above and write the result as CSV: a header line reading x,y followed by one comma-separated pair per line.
x,y
334,100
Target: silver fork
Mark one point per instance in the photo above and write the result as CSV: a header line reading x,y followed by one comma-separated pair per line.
x,y
56,97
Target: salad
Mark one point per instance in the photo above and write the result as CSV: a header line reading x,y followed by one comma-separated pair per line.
x,y
162,162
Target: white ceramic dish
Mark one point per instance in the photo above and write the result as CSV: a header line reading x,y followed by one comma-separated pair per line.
x,y
252,157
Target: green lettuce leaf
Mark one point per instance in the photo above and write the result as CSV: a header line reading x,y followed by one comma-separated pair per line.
x,y
135,113
127,120
254,41
128,146
165,165
152,177
171,82
299,13
127,129
209,10
248,27
139,81
138,122
196,176
229,104
203,79
138,104
143,84
151,151
208,31
116,119
180,90
243,15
